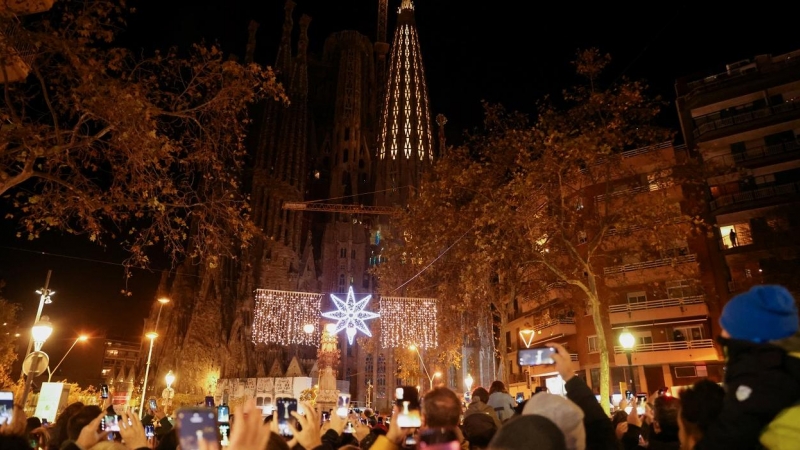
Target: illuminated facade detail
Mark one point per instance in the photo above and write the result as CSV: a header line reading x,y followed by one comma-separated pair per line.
x,y
350,315
405,142
279,317
408,321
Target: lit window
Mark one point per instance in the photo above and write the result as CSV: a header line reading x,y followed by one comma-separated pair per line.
x,y
593,344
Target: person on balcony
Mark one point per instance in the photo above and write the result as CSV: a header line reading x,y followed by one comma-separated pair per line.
x,y
732,238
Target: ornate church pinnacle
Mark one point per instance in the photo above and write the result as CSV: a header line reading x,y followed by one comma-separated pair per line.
x,y
284,59
407,4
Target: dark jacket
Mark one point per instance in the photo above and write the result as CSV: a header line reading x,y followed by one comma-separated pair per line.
x,y
760,381
656,441
478,407
599,433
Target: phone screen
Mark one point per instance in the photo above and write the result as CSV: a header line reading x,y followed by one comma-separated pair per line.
x,y
536,356
104,390
196,424
349,428
286,405
149,430
223,413
343,405
209,402
110,423
6,406
520,397
153,404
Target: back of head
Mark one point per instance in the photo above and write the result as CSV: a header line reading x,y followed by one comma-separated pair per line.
x,y
764,313
497,386
521,432
566,415
62,421
479,429
441,408
665,414
31,424
82,418
481,394
700,406
13,442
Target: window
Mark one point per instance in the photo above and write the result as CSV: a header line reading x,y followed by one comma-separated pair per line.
x,y
680,289
368,366
735,235
346,155
343,253
353,254
687,333
341,282
593,344
637,297
347,133
643,337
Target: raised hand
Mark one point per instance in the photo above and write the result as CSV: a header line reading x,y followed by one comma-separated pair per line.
x,y
310,436
132,431
563,361
250,432
89,435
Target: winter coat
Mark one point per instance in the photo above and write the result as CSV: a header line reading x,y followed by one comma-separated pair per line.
x,y
503,405
478,407
760,381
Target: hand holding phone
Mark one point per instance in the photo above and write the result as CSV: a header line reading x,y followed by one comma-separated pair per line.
x,y
286,406
343,405
103,391
196,425
6,407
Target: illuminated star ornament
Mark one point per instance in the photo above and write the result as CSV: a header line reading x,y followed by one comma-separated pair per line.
x,y
350,315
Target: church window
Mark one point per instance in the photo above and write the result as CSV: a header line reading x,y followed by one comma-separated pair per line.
x,y
343,253
381,391
361,163
347,133
353,254
341,282
345,155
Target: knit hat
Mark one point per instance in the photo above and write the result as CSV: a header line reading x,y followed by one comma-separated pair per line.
x,y
566,415
764,313
479,429
521,432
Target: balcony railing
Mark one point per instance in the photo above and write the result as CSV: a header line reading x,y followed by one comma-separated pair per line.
x,y
552,323
756,153
654,304
649,264
755,194
720,79
635,152
667,346
725,122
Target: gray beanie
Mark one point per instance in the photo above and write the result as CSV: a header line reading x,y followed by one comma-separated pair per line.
x,y
567,416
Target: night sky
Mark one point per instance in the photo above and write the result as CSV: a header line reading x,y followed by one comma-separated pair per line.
x,y
510,52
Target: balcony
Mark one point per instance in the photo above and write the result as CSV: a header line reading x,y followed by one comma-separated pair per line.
x,y
722,79
553,329
669,353
649,271
17,55
755,195
550,293
759,155
705,126
658,310
22,7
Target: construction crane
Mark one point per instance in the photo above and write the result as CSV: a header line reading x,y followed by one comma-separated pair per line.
x,y
341,208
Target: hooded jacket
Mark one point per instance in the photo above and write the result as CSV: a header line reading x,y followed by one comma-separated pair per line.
x,y
478,407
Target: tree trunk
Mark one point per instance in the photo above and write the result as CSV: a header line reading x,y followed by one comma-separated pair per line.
x,y
605,384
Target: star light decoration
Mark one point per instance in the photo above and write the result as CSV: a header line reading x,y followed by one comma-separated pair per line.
x,y
350,315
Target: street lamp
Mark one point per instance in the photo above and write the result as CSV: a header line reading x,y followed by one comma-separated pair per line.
x,y
163,301
468,382
152,336
422,363
308,328
41,330
80,338
628,342
168,393
45,295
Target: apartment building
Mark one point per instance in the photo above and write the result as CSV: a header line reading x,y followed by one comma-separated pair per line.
x,y
665,296
119,355
744,123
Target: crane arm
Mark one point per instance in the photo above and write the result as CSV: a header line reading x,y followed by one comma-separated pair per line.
x,y
336,207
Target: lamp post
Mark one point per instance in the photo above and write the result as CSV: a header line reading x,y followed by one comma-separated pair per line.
x,y
422,363
41,330
44,299
163,301
80,338
168,393
152,336
628,342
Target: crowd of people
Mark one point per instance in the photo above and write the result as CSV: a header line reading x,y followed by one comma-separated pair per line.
x,y
758,407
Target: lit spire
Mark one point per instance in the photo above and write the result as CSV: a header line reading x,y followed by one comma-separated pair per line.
x,y
407,4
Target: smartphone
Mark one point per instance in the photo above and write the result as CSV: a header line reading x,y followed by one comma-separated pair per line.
x,y
536,356
349,428
209,402
343,405
104,391
153,404
326,416
223,414
44,422
150,430
408,400
520,397
286,405
110,423
6,406
628,395
196,424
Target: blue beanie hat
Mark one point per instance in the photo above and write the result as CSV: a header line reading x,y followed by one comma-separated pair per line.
x,y
764,313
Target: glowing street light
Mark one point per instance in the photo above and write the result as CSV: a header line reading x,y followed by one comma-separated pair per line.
x,y
468,382
168,393
628,342
422,363
81,338
40,331
152,336
308,328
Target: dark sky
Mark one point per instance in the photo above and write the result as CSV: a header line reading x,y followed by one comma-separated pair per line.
x,y
511,52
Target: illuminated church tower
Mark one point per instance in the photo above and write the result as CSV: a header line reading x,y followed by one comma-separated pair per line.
x,y
405,142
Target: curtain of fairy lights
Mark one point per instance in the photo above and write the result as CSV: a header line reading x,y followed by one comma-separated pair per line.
x,y
280,316
406,321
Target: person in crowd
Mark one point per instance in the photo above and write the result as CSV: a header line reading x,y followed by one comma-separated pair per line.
x,y
78,421
479,405
701,406
58,432
596,424
663,434
441,411
502,402
374,431
762,370
159,419
479,429
527,432
565,414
